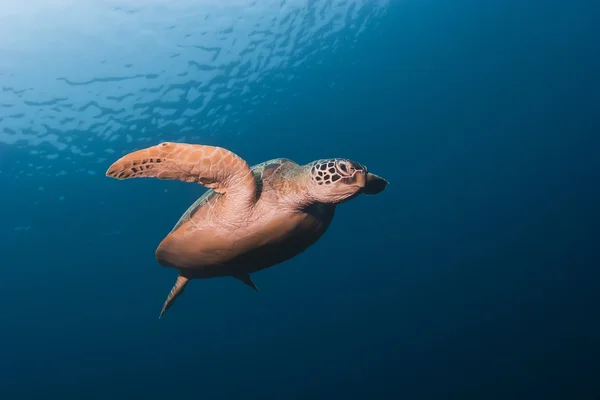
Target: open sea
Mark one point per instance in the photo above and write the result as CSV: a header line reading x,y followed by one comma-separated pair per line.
x,y
474,275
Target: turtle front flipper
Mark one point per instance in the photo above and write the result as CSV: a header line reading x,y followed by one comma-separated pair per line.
x,y
213,167
177,289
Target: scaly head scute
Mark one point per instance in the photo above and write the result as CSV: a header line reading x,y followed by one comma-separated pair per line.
x,y
336,180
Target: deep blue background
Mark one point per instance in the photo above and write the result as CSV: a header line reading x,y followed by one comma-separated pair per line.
x,y
474,275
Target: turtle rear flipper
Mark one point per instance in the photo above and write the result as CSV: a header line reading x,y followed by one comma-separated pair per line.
x,y
247,280
177,289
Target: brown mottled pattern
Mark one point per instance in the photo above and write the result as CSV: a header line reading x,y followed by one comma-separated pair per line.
x,y
260,171
250,218
213,167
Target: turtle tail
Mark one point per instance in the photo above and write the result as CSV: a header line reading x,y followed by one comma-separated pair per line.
x,y
177,289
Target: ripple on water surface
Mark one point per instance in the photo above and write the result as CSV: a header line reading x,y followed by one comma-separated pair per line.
x,y
78,76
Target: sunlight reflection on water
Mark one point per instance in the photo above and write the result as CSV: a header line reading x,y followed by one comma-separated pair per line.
x,y
76,76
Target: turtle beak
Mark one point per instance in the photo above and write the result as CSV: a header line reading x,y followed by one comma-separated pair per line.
x,y
374,184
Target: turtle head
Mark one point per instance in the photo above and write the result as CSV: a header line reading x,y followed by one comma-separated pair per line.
x,y
336,180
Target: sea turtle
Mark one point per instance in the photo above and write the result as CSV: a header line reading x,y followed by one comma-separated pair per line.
x,y
250,218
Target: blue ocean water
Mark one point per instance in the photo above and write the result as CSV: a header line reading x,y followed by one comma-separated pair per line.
x,y
473,275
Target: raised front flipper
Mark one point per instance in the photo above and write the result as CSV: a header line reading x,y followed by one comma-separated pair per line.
x,y
213,167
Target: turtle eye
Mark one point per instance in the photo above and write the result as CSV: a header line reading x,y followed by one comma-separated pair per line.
x,y
358,167
345,168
